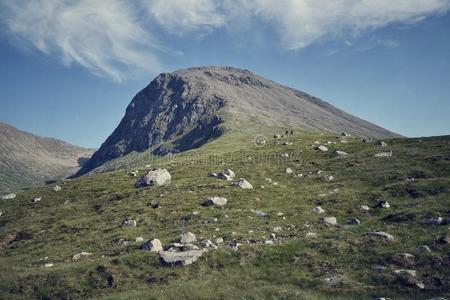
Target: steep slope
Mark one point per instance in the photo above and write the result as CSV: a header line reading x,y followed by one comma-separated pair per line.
x,y
187,108
27,159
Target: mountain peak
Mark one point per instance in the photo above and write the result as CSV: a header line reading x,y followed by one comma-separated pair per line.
x,y
187,108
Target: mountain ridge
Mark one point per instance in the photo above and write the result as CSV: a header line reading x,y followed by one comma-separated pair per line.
x,y
187,108
28,160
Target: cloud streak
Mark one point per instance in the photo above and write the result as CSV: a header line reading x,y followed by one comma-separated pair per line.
x,y
116,38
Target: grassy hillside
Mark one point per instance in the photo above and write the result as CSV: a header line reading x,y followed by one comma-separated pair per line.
x,y
87,215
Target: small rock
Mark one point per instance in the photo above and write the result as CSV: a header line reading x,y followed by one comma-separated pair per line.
x,y
277,229
353,221
437,221
318,210
333,280
243,184
328,178
381,234
340,153
37,199
330,221
80,255
322,148
208,244
217,201
311,234
139,239
130,223
227,174
171,258
285,155
57,188
212,174
8,197
289,171
154,245
187,238
411,273
259,213
383,204
423,249
346,134
219,240
382,144
158,177
364,208
49,265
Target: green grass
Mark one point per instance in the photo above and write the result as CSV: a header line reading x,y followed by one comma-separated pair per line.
x,y
87,216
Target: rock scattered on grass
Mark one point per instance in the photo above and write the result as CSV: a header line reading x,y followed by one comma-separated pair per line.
x,y
423,249
217,201
322,148
364,208
383,204
243,184
154,245
340,153
333,280
57,188
80,255
289,171
171,258
318,210
259,213
158,177
384,154
381,234
129,223
37,199
437,221
353,221
227,174
330,221
8,197
187,238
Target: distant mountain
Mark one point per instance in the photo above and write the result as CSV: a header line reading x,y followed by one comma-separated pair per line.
x,y
183,110
28,160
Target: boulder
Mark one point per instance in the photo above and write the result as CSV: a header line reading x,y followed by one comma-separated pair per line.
x,y
154,245
322,148
158,177
172,258
80,255
9,196
243,184
381,235
330,221
187,238
217,201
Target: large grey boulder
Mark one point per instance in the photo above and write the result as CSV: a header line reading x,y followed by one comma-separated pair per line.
x,y
172,258
217,201
156,177
227,174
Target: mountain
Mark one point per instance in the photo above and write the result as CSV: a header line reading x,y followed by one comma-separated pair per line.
x,y
185,109
27,159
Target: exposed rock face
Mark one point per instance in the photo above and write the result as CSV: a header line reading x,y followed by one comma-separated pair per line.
x,y
185,109
29,160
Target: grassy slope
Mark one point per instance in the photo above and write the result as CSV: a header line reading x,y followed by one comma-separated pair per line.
x,y
97,205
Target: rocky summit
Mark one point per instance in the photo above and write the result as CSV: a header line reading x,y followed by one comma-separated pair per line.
x,y
185,109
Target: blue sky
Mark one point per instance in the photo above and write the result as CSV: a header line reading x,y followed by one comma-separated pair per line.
x,y
69,69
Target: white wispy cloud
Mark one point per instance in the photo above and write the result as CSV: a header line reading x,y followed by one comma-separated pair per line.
x,y
115,37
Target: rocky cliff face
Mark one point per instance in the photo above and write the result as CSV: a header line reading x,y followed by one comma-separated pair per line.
x,y
187,108
27,159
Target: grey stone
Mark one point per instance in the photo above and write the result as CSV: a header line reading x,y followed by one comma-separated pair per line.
x,y
154,245
322,148
381,234
57,188
80,255
243,184
330,221
217,201
172,258
8,197
340,153
353,221
333,280
158,177
187,237
318,210
130,223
